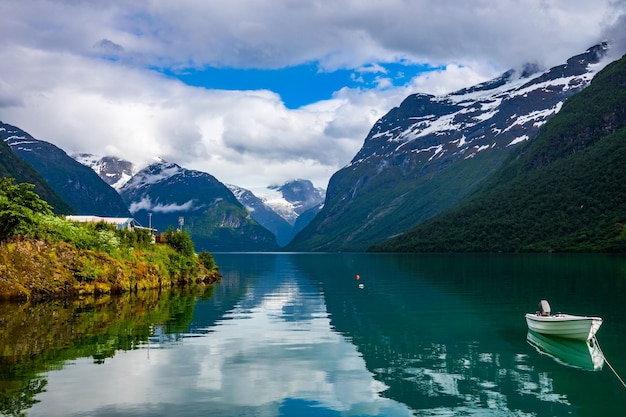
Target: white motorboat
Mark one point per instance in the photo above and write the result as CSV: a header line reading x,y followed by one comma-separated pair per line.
x,y
562,325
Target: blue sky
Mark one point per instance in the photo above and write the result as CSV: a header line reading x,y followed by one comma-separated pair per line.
x,y
257,93
303,84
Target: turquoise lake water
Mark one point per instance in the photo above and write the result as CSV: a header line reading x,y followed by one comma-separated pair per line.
x,y
300,335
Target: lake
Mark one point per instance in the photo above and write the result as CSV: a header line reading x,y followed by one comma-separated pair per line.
x,y
327,335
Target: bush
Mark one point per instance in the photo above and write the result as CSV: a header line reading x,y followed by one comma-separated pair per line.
x,y
180,241
19,207
207,260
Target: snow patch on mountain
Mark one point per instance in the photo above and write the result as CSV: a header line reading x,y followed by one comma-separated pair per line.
x,y
114,171
499,113
283,208
155,173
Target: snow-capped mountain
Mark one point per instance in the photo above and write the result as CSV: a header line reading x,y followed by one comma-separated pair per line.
x,y
563,192
294,198
280,213
424,156
264,214
114,171
167,195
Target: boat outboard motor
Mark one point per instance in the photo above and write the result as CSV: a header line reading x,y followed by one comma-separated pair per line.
x,y
544,308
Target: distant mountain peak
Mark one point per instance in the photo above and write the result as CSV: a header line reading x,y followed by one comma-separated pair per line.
x,y
301,194
113,170
295,204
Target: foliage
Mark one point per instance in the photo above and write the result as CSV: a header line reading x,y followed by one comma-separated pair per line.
x,y
180,241
206,258
18,208
43,255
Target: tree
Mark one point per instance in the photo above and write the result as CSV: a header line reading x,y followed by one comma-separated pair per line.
x,y
207,260
180,241
18,208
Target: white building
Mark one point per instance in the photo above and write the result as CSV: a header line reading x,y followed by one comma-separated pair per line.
x,y
121,222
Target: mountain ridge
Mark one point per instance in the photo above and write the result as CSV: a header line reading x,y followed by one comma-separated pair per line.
x,y
426,155
13,166
80,187
564,191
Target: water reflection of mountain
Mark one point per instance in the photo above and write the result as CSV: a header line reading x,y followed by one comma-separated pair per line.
x,y
248,285
263,346
447,334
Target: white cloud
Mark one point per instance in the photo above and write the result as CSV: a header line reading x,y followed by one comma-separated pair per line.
x,y
146,204
341,33
78,74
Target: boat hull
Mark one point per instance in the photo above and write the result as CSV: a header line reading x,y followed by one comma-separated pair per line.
x,y
564,325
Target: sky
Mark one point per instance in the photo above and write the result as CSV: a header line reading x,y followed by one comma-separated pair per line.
x,y
260,92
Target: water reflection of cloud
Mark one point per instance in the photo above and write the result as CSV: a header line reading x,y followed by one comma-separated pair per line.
x,y
260,356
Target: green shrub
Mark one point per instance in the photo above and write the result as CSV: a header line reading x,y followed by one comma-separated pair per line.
x,y
180,241
18,208
206,259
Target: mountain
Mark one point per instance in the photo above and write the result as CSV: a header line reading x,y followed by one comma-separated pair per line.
x,y
279,214
210,213
114,171
296,197
564,191
76,184
294,206
425,156
264,214
13,166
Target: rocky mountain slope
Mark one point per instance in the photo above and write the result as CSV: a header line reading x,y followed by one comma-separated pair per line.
x,y
264,214
564,191
208,211
428,154
114,171
80,187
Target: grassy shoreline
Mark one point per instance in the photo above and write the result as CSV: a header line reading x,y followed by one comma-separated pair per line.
x,y
43,255
34,269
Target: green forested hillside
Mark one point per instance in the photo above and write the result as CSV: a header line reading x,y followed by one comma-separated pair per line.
x,y
564,191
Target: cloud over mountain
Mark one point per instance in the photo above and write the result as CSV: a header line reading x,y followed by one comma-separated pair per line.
x,y
105,77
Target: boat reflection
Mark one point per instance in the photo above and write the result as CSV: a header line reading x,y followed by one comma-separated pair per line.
x,y
577,353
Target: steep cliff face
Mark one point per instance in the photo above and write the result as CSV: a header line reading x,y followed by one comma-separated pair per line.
x,y
114,171
426,155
